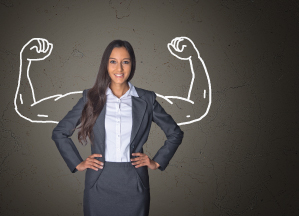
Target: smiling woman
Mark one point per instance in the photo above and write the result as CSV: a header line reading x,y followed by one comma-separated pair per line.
x,y
116,117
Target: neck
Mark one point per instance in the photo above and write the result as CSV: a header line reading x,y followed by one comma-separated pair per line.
x,y
119,89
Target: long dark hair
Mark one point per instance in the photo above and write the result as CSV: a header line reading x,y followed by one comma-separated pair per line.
x,y
96,96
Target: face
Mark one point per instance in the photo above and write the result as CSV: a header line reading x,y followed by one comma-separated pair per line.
x,y
119,65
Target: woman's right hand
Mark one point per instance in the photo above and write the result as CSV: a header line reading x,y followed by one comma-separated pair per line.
x,y
91,163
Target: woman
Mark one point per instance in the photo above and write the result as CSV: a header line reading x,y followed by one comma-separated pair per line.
x,y
116,117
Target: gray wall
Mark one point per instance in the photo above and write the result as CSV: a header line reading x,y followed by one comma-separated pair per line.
x,y
241,159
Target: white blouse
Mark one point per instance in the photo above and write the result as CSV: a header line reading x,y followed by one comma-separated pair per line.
x,y
118,125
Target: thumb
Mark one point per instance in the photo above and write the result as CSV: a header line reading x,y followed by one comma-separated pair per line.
x,y
172,49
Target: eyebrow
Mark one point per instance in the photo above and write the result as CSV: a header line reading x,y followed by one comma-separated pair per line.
x,y
124,58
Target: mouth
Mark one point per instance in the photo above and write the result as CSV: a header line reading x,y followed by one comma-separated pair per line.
x,y
119,75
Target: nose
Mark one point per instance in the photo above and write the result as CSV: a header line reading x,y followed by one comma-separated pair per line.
x,y
119,67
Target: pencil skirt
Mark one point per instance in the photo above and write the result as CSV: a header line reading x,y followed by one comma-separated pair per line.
x,y
119,191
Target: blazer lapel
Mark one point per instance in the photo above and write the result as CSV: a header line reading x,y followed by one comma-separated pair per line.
x,y
100,122
138,111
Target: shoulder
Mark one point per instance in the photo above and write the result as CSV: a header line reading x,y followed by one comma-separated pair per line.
x,y
84,94
146,94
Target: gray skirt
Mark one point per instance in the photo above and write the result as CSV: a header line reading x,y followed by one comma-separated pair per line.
x,y
118,192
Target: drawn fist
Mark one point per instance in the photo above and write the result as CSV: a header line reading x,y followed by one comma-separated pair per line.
x,y
183,48
36,49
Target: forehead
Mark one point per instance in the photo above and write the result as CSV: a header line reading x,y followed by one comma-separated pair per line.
x,y
119,52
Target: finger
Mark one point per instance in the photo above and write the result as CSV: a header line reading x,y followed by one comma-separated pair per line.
x,y
136,162
173,42
95,155
177,45
92,164
138,158
45,44
137,154
140,162
140,165
92,161
177,40
49,47
97,161
94,168
171,48
40,46
98,165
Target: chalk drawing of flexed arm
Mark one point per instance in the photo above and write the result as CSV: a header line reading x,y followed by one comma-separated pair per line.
x,y
196,105
36,49
191,108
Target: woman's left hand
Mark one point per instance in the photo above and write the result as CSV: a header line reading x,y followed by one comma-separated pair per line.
x,y
144,160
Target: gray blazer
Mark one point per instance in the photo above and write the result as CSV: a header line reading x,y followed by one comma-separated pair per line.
x,y
145,109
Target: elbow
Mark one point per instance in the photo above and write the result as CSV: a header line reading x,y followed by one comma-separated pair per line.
x,y
62,131
57,133
176,138
180,134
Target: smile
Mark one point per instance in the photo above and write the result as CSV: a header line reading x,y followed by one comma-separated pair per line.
x,y
119,75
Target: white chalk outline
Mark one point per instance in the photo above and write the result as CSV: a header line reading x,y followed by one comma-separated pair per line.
x,y
45,46
175,44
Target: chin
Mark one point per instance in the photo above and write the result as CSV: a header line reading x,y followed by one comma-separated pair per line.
x,y
119,82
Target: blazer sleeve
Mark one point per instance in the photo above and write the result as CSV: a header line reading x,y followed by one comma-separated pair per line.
x,y
64,130
172,131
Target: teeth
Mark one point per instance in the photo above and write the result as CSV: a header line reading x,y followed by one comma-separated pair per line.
x,y
118,74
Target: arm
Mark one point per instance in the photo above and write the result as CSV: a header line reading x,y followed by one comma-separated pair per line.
x,y
64,130
200,92
172,131
27,107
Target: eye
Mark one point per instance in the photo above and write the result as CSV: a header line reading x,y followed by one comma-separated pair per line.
x,y
112,62
126,62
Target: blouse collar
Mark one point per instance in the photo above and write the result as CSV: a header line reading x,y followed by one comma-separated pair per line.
x,y
132,91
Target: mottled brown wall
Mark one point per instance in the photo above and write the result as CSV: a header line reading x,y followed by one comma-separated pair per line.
x,y
241,159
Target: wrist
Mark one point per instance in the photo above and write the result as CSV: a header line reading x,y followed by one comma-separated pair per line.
x,y
157,165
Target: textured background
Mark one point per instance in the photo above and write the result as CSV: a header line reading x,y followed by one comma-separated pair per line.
x,y
241,159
